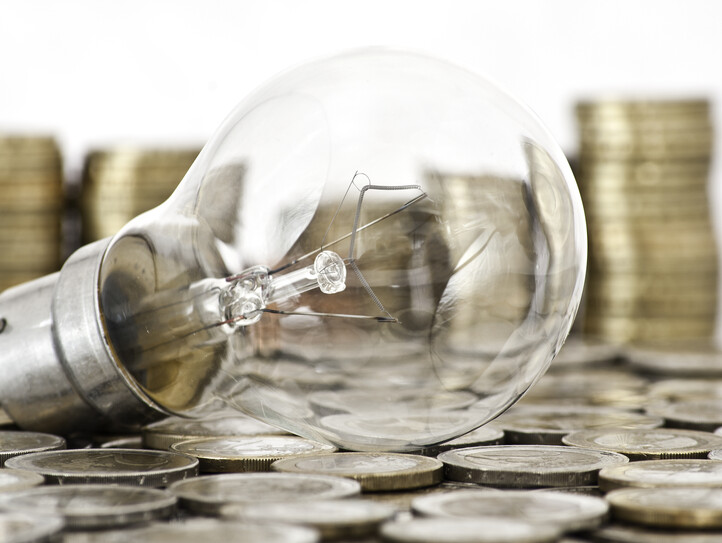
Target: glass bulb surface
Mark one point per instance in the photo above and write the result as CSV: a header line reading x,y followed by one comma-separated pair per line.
x,y
378,250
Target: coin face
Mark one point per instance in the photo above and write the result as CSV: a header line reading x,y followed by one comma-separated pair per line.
x,y
127,466
208,494
569,512
234,454
647,444
527,466
688,359
374,471
92,506
457,530
546,425
663,473
628,533
17,443
696,415
668,507
485,435
207,529
333,518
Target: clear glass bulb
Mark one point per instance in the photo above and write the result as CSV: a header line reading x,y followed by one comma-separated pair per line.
x,y
378,250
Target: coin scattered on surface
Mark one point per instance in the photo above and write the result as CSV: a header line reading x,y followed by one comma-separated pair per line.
x,y
691,508
206,529
161,435
332,518
208,494
331,402
18,443
580,352
257,453
547,425
92,506
697,359
654,444
121,466
629,533
528,466
458,530
568,512
484,436
663,473
705,415
374,471
21,527
16,479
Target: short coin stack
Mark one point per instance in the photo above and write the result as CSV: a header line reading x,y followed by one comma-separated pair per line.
x,y
643,176
120,183
31,207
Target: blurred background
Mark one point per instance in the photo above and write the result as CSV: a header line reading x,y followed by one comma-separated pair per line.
x,y
103,106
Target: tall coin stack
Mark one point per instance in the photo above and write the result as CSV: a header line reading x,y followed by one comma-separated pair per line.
x,y
31,207
644,168
119,184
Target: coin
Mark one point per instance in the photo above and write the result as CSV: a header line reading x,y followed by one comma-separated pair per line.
x,y
583,352
16,479
92,506
374,471
547,425
705,415
568,512
691,508
485,435
627,533
161,435
208,494
334,519
239,453
125,466
21,527
17,443
527,466
330,402
458,530
674,390
401,500
207,529
662,474
641,444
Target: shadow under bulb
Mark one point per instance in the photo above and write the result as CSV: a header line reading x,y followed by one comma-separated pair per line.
x,y
377,250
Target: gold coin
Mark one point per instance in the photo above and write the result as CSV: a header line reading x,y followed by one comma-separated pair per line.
x,y
682,472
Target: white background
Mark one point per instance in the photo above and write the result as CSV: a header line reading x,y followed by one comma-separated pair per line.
x,y
96,73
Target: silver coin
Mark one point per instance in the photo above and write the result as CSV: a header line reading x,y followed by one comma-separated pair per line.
x,y
374,471
527,466
547,425
24,528
698,359
647,444
332,518
205,529
208,494
578,352
17,443
161,435
458,530
124,466
568,512
92,506
484,436
328,402
705,415
247,453
663,473
15,479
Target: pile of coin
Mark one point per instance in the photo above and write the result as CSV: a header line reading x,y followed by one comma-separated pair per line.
x,y
643,175
120,183
31,207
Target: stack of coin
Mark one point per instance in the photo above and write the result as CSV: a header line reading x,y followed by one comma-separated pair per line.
x,y
120,183
31,207
643,176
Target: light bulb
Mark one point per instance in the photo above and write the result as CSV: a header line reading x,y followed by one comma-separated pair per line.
x,y
378,250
